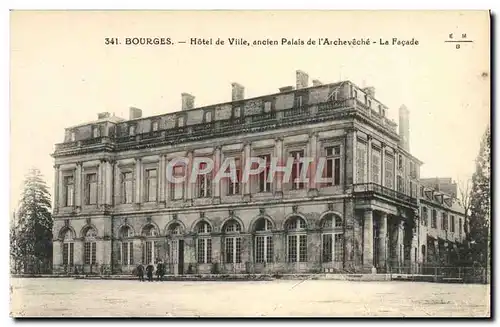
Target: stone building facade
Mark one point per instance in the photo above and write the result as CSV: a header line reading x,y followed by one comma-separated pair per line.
x,y
114,207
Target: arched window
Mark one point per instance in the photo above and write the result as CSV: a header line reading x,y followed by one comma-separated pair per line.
x,y
263,241
149,251
232,241
175,229
332,238
204,242
90,246
127,246
68,248
296,239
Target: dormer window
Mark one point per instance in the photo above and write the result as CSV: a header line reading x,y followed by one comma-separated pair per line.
x,y
96,132
236,112
180,121
298,101
73,137
154,126
131,130
208,117
267,106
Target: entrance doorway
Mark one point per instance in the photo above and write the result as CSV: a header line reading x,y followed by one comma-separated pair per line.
x,y
180,270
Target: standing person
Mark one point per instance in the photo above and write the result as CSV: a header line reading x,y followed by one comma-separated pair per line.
x,y
160,270
140,272
149,271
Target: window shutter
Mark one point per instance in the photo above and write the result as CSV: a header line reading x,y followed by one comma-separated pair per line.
x,y
143,251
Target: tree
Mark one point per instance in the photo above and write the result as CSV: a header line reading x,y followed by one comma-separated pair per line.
x,y
31,239
480,200
464,199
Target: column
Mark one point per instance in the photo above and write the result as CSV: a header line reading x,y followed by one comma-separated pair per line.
x,y
109,183
368,239
61,191
79,185
278,152
382,164
246,156
369,159
138,180
313,153
188,184
354,156
56,187
216,183
162,180
399,243
382,246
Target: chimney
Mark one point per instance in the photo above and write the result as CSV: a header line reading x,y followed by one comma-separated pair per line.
x,y
302,79
404,127
238,92
187,101
286,88
370,91
103,115
317,82
134,113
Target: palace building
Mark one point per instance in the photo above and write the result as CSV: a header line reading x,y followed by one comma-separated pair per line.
x,y
114,207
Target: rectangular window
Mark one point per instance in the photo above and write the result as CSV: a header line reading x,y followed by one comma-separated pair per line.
x,y
204,252
177,189
400,162
264,184
401,184
376,176
297,248
91,189
389,171
127,254
233,250
154,126
297,184
460,226
298,101
361,162
234,184
204,183
263,249
333,165
69,191
444,221
151,185
267,106
452,224
127,187
434,219
90,253
68,253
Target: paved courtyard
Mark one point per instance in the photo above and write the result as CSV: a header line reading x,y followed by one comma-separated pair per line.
x,y
312,298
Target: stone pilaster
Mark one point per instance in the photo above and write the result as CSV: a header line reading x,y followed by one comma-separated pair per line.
x,y
313,153
382,164
57,188
216,183
79,186
278,177
369,159
138,181
109,183
247,150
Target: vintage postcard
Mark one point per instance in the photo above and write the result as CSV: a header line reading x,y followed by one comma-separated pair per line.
x,y
250,163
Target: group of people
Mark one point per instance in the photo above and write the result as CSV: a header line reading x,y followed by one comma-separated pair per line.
x,y
149,269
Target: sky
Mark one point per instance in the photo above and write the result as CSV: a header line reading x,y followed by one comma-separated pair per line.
x,y
63,74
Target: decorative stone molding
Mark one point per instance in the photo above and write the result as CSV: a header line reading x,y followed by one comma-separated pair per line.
x,y
262,211
88,220
202,214
295,209
175,216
